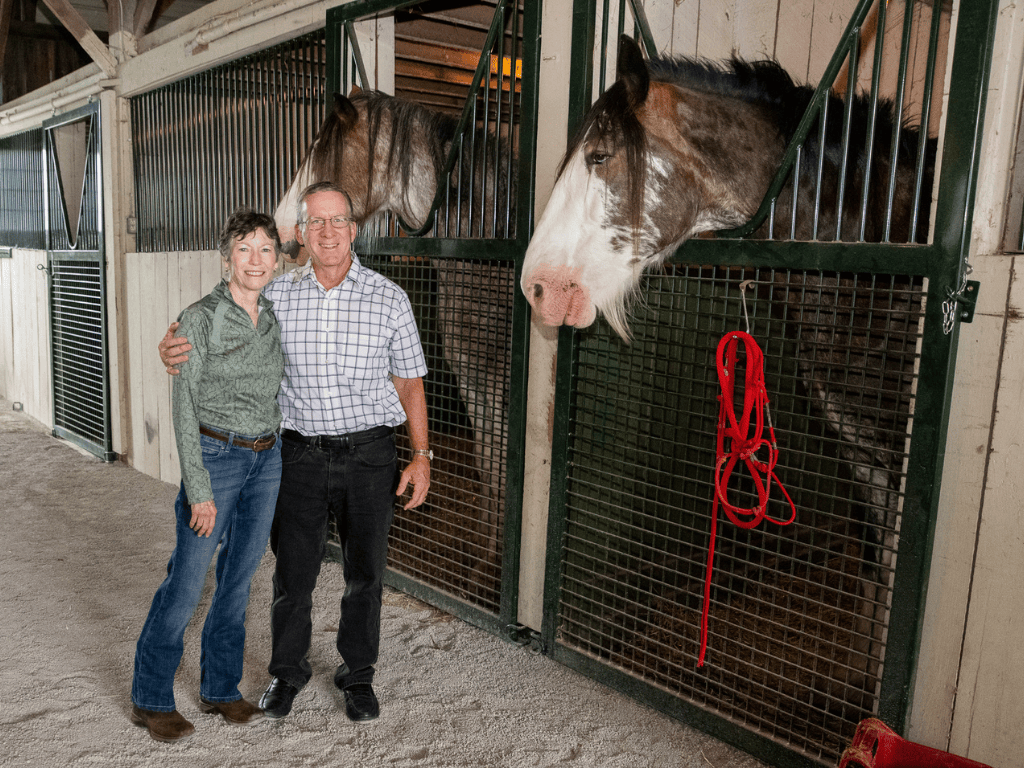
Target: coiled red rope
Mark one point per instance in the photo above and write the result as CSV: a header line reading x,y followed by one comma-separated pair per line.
x,y
737,443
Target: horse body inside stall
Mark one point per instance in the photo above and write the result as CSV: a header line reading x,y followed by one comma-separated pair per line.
x,y
389,155
677,147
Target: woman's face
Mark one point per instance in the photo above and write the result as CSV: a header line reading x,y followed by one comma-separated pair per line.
x,y
252,260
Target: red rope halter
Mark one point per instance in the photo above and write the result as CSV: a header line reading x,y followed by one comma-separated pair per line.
x,y
743,446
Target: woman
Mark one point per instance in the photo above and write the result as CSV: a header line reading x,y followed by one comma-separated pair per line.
x,y
226,423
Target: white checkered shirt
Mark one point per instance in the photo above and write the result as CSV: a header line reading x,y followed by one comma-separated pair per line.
x,y
340,347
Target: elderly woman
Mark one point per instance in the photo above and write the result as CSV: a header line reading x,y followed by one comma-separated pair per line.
x,y
226,423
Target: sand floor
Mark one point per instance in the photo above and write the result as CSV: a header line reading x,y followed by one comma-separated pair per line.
x,y
86,545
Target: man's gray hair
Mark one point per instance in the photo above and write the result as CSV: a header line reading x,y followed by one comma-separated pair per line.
x,y
312,189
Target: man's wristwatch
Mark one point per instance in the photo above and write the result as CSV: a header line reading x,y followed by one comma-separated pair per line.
x,y
429,454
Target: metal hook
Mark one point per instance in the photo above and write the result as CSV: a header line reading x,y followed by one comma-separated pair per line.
x,y
743,295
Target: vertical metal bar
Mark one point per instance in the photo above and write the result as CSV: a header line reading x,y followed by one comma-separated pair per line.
x,y
796,192
604,47
926,107
822,130
851,90
518,62
897,122
499,79
869,144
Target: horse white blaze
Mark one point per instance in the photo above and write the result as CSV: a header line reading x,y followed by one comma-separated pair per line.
x,y
573,267
286,215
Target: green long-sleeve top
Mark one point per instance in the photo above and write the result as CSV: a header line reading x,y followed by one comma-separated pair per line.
x,y
230,381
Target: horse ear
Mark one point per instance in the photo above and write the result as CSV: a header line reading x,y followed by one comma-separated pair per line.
x,y
345,111
356,90
632,70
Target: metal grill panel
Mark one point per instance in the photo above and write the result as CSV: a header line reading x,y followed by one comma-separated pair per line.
x,y
799,613
812,626
78,339
21,188
454,541
249,125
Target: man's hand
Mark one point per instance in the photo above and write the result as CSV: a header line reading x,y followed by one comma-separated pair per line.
x,y
204,515
172,350
417,472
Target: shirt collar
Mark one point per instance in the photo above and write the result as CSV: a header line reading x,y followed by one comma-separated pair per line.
x,y
222,291
356,273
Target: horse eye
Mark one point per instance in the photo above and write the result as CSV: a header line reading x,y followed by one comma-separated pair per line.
x,y
596,158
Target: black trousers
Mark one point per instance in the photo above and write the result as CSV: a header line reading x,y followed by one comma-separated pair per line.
x,y
356,484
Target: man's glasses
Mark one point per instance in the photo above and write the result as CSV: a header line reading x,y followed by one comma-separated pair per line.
x,y
336,221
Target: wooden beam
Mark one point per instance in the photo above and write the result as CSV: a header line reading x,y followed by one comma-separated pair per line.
x,y
76,25
143,16
120,18
6,12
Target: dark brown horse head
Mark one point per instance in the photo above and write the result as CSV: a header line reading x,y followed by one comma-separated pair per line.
x,y
676,147
651,164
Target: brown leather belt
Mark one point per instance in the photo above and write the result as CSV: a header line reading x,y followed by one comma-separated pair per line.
x,y
259,444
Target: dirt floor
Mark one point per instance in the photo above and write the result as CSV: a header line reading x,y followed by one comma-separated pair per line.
x,y
86,545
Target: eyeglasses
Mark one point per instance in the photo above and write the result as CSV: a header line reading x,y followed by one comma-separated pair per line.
x,y
336,221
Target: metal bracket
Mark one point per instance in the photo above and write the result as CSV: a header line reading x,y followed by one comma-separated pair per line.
x,y
526,638
968,300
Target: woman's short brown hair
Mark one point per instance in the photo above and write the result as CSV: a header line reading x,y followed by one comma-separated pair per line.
x,y
244,222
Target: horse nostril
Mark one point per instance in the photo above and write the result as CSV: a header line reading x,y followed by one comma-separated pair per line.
x,y
538,290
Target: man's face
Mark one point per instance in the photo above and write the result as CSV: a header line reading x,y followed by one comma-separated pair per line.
x,y
329,245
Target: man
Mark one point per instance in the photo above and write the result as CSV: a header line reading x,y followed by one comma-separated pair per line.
x,y
353,372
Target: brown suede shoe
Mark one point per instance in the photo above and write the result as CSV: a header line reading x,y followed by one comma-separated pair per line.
x,y
163,726
238,712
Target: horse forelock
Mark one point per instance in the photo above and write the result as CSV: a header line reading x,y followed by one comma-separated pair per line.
x,y
613,117
408,124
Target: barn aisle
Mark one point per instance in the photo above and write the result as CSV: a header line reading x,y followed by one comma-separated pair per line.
x,y
85,547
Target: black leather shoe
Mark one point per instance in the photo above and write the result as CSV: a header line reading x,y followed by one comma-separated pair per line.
x,y
277,701
361,702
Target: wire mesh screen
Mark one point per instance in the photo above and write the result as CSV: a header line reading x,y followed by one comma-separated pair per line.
x,y
798,614
21,188
79,350
454,540
248,126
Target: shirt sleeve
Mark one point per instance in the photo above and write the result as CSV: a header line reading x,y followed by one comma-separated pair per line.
x,y
185,408
407,359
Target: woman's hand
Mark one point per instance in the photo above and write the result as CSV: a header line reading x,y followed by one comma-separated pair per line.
x,y
204,514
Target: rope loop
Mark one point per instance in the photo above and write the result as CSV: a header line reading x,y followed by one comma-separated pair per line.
x,y
740,439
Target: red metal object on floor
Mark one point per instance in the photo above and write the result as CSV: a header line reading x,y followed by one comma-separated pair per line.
x,y
875,745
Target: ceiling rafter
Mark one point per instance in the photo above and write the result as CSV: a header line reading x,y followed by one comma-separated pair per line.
x,y
80,30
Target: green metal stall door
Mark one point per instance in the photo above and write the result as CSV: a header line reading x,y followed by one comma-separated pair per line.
x,y
459,550
813,626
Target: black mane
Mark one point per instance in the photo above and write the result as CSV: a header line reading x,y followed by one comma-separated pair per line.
x,y
767,86
764,83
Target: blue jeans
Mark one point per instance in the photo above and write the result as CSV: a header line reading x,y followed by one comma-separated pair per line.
x,y
245,485
356,485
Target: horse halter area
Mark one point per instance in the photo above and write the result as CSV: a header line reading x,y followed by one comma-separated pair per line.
x,y
812,626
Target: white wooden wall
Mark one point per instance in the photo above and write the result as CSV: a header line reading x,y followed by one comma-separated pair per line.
x,y
25,334
157,287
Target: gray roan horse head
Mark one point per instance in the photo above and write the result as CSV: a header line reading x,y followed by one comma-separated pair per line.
x,y
677,147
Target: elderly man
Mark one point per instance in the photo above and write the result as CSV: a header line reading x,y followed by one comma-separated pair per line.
x,y
353,372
